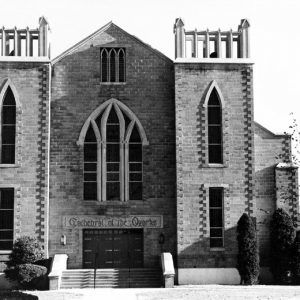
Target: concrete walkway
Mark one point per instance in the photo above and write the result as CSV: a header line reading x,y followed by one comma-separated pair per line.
x,y
205,292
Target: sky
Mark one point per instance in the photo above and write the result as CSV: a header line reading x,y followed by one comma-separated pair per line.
x,y
274,36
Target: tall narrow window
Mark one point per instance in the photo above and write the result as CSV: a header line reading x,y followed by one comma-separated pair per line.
x,y
6,218
112,64
113,158
214,129
104,66
90,165
135,166
121,65
8,128
216,220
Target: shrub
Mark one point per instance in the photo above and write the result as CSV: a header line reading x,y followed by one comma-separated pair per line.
x,y
248,258
21,268
281,246
296,259
25,250
31,276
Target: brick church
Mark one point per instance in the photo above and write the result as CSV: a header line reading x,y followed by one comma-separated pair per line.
x,y
112,153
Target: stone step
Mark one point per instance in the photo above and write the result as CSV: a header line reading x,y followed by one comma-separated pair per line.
x,y
111,278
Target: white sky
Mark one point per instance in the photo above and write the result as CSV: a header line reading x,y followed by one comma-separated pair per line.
x,y
274,36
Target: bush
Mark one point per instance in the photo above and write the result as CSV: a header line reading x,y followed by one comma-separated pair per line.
x,y
25,250
281,246
296,259
21,268
31,276
248,258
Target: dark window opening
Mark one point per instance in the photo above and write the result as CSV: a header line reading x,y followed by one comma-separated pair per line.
x,y
113,157
90,166
113,64
216,218
214,112
135,166
104,66
8,128
6,218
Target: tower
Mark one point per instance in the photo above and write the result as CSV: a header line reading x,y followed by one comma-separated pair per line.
x,y
24,135
214,148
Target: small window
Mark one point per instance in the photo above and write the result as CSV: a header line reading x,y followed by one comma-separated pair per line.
x,y
112,64
216,217
214,112
6,218
8,128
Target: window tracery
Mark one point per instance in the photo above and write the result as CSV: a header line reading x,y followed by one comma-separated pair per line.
x,y
113,140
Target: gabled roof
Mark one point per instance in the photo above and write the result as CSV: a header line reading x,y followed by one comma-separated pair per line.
x,y
102,30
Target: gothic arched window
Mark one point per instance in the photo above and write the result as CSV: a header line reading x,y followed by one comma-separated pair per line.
x,y
8,128
214,113
112,64
113,141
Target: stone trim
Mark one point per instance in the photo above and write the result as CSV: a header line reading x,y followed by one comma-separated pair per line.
x,y
249,139
42,172
103,106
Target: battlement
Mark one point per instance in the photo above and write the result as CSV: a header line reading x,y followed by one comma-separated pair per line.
x,y
212,44
25,42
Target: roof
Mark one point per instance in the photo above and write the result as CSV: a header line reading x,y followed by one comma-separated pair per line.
x,y
102,30
269,132
286,166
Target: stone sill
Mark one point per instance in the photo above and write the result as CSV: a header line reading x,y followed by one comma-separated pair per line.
x,y
9,166
217,249
113,83
216,166
214,60
5,252
111,203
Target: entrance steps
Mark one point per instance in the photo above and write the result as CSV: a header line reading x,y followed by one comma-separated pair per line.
x,y
111,278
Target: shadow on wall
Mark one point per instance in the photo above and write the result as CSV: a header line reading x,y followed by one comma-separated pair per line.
x,y
200,255
15,295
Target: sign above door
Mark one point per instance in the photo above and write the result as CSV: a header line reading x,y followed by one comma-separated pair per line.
x,y
95,221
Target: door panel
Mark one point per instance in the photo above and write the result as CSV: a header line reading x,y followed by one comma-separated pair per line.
x,y
112,248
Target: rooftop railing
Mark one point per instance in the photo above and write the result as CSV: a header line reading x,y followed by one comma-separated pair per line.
x,y
25,42
212,44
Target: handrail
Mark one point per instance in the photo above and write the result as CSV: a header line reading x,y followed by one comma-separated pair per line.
x,y
95,268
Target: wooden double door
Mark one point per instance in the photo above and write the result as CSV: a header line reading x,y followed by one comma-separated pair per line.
x,y
112,248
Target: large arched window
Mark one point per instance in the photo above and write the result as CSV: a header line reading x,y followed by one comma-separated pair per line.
x,y
8,128
113,141
214,113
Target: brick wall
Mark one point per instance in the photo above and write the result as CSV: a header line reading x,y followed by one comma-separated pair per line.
x,y
76,93
270,149
195,176
29,174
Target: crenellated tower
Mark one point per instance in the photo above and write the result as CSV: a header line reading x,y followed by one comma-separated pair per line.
x,y
24,134
214,146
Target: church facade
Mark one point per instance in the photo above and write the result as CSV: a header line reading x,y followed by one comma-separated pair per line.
x,y
112,153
